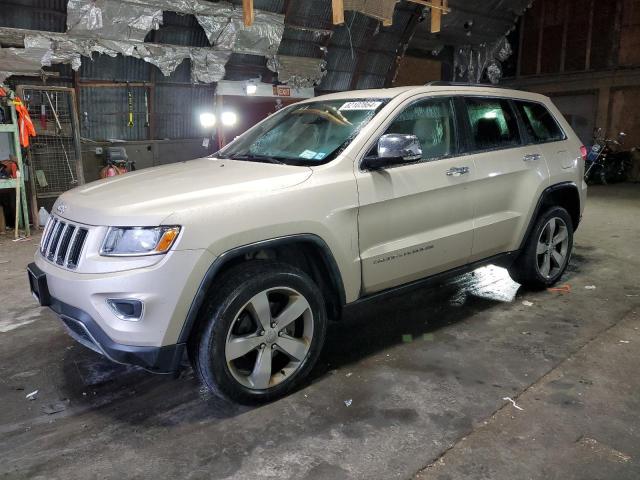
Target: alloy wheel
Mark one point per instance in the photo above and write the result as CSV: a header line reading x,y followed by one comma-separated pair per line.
x,y
553,248
269,338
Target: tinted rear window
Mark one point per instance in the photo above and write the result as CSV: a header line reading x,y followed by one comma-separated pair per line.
x,y
493,123
540,124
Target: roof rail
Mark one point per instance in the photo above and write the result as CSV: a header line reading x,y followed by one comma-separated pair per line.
x,y
442,83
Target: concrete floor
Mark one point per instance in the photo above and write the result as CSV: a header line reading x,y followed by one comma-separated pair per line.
x,y
425,376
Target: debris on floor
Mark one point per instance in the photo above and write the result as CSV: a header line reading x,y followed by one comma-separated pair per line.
x,y
527,303
590,287
624,341
598,447
348,402
32,396
562,289
513,402
51,408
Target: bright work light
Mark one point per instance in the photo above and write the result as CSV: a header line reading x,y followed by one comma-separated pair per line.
x,y
251,88
229,118
207,120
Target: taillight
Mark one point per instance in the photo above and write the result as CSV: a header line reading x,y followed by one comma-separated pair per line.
x,y
583,152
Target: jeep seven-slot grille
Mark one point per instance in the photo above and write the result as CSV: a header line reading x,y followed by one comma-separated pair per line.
x,y
62,242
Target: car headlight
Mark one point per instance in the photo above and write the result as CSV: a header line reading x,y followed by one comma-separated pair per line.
x,y
134,241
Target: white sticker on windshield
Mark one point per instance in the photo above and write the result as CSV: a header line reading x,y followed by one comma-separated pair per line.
x,y
360,105
308,154
320,156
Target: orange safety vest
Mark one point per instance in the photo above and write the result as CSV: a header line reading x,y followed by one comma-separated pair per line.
x,y
25,125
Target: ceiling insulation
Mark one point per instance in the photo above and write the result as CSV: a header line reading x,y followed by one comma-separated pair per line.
x,y
115,27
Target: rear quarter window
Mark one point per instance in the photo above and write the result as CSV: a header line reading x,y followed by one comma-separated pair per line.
x,y
539,123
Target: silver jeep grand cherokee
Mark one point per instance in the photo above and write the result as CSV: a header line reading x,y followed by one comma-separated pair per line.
x,y
240,259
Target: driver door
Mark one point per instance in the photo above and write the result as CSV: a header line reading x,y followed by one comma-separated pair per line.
x,y
416,219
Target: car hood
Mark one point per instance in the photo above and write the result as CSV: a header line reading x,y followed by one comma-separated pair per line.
x,y
147,197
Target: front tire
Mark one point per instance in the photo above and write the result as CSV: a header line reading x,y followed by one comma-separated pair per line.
x,y
261,332
546,253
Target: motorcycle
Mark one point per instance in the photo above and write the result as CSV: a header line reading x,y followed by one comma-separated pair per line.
x,y
606,161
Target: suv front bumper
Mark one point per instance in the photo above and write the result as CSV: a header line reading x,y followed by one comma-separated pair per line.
x,y
86,331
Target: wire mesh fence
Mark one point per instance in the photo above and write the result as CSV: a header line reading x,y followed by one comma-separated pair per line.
x,y
53,156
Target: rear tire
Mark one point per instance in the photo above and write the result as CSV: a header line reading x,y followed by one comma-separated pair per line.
x,y
547,251
260,333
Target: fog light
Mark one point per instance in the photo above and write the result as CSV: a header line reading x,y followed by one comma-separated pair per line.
x,y
126,309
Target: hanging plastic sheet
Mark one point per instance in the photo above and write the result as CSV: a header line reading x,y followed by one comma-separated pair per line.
x,y
473,62
134,19
261,38
207,66
45,49
113,27
59,50
227,30
21,59
112,19
298,71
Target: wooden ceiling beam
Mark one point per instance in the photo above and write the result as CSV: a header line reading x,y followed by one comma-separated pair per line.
x,y
247,12
441,5
337,9
436,17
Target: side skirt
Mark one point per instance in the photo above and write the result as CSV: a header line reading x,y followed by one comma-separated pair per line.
x,y
502,260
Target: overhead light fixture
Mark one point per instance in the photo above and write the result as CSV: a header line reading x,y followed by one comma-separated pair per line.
x,y
207,119
251,88
229,118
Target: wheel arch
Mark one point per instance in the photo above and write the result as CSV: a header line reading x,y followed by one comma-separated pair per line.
x,y
566,195
302,250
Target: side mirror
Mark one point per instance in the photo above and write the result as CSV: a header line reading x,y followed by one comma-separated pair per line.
x,y
394,149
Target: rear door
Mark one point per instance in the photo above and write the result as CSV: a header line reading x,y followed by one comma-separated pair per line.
x,y
510,174
416,219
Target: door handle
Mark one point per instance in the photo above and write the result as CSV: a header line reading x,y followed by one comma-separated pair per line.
x,y
531,157
457,171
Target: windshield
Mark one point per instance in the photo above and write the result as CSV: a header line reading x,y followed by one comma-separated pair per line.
x,y
304,134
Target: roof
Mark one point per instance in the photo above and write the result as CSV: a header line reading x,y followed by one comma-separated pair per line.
x,y
418,89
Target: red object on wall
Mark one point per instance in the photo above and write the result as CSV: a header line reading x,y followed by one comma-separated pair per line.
x,y
11,167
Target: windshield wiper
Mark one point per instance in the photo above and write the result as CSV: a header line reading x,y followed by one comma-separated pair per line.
x,y
256,158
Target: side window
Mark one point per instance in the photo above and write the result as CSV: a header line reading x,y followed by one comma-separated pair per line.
x,y
493,123
432,121
540,124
